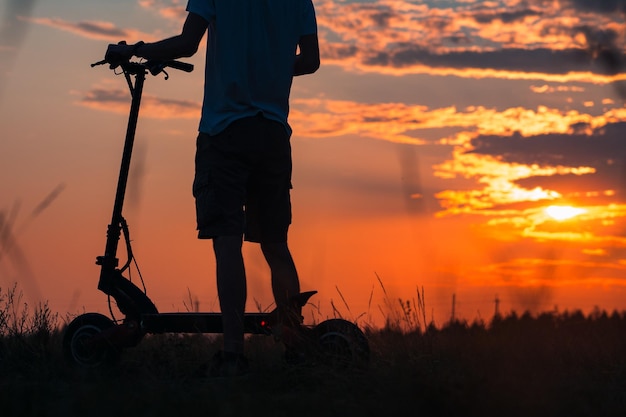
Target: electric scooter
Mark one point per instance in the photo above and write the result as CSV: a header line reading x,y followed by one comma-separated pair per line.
x,y
93,340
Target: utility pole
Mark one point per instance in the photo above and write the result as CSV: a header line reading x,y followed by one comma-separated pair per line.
x,y
497,302
453,317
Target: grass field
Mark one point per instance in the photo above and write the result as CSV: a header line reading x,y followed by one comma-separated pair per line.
x,y
566,364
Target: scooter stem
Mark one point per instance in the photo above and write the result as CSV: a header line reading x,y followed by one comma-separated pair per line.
x,y
109,261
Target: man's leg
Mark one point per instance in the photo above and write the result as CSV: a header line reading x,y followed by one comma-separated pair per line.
x,y
231,289
285,282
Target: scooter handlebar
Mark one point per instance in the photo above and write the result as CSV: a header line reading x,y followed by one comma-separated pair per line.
x,y
182,66
155,67
95,64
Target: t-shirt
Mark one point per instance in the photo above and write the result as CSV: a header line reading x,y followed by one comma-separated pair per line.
x,y
251,51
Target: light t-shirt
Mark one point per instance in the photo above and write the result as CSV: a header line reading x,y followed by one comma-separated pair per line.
x,y
251,51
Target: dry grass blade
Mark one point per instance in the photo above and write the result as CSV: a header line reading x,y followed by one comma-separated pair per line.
x,y
7,222
343,299
49,199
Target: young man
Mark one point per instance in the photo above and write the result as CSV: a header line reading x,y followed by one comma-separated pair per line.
x,y
243,156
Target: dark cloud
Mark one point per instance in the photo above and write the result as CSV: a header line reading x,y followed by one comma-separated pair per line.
x,y
603,46
338,51
553,47
598,38
594,6
604,150
382,18
106,96
600,6
541,60
154,107
605,146
505,16
99,30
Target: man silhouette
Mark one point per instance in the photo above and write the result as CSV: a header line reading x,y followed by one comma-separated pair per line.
x,y
243,154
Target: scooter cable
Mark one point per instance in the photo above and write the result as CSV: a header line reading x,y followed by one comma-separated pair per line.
x,y
131,255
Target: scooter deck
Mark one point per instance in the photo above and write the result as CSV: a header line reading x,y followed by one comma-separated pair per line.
x,y
254,323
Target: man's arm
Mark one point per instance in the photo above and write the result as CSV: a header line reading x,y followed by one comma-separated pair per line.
x,y
183,45
308,60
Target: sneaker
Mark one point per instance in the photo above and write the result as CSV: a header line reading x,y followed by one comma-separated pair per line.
x,y
296,357
298,343
228,364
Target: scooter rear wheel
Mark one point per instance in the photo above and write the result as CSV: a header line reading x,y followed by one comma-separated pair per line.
x,y
342,344
79,347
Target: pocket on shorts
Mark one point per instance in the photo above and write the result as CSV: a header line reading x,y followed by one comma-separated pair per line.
x,y
203,188
204,194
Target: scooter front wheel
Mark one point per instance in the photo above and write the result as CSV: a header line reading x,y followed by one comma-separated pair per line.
x,y
81,346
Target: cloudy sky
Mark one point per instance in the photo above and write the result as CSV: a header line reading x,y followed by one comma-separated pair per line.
x,y
472,148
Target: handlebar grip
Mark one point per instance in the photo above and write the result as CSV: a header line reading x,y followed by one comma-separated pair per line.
x,y
183,66
95,64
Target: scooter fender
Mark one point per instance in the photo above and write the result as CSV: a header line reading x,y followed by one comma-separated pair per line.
x,y
125,335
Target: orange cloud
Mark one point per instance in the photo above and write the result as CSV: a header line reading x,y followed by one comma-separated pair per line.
x,y
564,271
542,89
510,41
493,185
117,101
398,38
398,122
173,10
92,29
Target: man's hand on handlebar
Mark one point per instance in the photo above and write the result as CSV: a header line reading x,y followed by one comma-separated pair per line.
x,y
119,53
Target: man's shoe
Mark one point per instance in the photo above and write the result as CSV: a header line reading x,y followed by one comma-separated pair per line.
x,y
299,345
296,357
228,364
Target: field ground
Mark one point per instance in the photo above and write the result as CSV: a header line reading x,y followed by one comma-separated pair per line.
x,y
519,365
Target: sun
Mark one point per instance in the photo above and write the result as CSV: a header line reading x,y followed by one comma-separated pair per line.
x,y
563,212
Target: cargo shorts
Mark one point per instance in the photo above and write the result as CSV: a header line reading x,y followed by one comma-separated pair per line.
x,y
242,181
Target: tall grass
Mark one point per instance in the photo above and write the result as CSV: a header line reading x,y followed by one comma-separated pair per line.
x,y
28,335
18,320
547,364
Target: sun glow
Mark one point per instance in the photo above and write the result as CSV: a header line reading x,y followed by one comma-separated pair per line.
x,y
563,212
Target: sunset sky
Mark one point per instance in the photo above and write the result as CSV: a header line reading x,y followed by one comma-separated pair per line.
x,y
472,148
